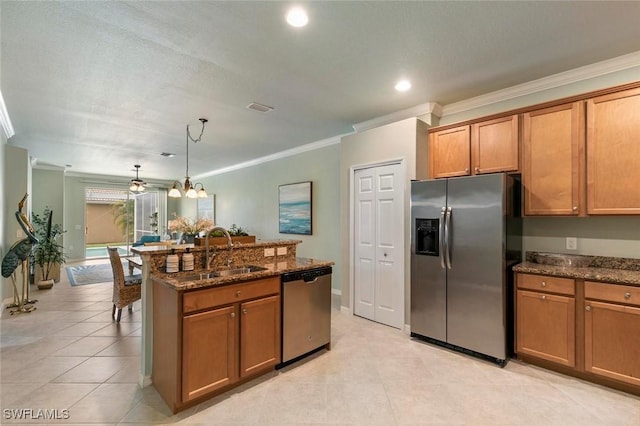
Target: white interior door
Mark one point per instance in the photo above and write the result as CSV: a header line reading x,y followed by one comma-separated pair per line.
x,y
364,284
379,242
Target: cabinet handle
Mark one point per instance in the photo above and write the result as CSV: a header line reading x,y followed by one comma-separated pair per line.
x,y
244,311
627,295
232,314
477,170
543,284
544,297
587,308
237,293
466,170
575,208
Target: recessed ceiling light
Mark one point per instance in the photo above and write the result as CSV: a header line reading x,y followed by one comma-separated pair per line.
x,y
403,85
297,17
167,154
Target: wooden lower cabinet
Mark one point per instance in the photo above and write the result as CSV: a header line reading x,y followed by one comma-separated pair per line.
x,y
599,342
612,332
209,348
546,326
200,349
259,335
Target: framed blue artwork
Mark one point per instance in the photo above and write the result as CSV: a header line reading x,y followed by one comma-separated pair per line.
x,y
294,203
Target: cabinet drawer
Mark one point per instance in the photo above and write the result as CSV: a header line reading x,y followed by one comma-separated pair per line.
x,y
203,299
546,283
612,293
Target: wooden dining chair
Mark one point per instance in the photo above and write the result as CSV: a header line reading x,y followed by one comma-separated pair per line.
x,y
126,289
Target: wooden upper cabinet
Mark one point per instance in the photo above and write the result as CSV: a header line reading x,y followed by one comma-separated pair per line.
x,y
449,152
553,160
494,146
613,153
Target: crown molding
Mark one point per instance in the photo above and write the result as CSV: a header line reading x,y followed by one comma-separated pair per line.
x,y
576,75
5,121
282,154
415,111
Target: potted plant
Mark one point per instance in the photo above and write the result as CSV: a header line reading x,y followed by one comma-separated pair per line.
x,y
237,233
48,255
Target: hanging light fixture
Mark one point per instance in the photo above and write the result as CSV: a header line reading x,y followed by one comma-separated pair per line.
x,y
137,184
189,188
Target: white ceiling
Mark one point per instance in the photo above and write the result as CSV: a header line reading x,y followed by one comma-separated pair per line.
x,y
102,86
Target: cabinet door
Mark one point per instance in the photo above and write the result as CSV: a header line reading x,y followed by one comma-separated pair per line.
x,y
494,145
259,335
209,351
613,153
612,341
545,326
553,166
449,152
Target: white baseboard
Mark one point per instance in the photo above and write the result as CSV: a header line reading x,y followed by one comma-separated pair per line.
x,y
144,381
345,310
407,329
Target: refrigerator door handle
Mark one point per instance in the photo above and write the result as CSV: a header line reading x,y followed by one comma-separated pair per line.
x,y
441,237
447,236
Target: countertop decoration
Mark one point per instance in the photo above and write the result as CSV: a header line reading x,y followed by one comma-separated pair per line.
x,y
619,270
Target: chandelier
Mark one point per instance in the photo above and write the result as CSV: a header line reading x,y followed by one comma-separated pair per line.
x,y
137,184
189,189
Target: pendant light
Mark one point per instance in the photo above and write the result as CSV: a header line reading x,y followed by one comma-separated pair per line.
x,y
137,184
189,189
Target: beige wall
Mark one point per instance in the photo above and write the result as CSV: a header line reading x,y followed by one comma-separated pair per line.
x,y
48,191
248,197
396,141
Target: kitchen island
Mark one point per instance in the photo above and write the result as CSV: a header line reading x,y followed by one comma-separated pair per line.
x,y
580,315
192,293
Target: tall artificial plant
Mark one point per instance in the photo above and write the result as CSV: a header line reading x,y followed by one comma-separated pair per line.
x,y
48,254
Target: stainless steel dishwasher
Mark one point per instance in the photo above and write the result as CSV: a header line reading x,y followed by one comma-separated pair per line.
x,y
306,312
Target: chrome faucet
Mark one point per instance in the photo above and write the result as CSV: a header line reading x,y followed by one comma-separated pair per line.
x,y
209,258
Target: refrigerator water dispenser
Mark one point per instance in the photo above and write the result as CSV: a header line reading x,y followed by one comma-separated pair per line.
x,y
427,234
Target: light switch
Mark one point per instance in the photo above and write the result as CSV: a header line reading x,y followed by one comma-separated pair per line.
x,y
572,243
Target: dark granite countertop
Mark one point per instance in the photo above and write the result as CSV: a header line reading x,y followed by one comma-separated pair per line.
x,y
614,270
272,270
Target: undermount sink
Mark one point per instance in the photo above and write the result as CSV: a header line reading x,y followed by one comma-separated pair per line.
x,y
221,273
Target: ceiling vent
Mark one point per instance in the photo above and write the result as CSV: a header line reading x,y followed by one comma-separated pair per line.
x,y
259,107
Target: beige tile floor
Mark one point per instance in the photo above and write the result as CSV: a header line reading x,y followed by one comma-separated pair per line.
x,y
69,355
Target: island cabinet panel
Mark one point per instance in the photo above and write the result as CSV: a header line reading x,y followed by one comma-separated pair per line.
x,y
613,153
612,331
206,341
553,160
494,145
546,326
449,152
209,348
259,335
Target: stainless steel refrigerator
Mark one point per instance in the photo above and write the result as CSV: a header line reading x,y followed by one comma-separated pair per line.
x,y
466,234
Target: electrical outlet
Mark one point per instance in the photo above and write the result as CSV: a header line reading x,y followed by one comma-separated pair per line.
x,y
282,251
572,243
268,252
